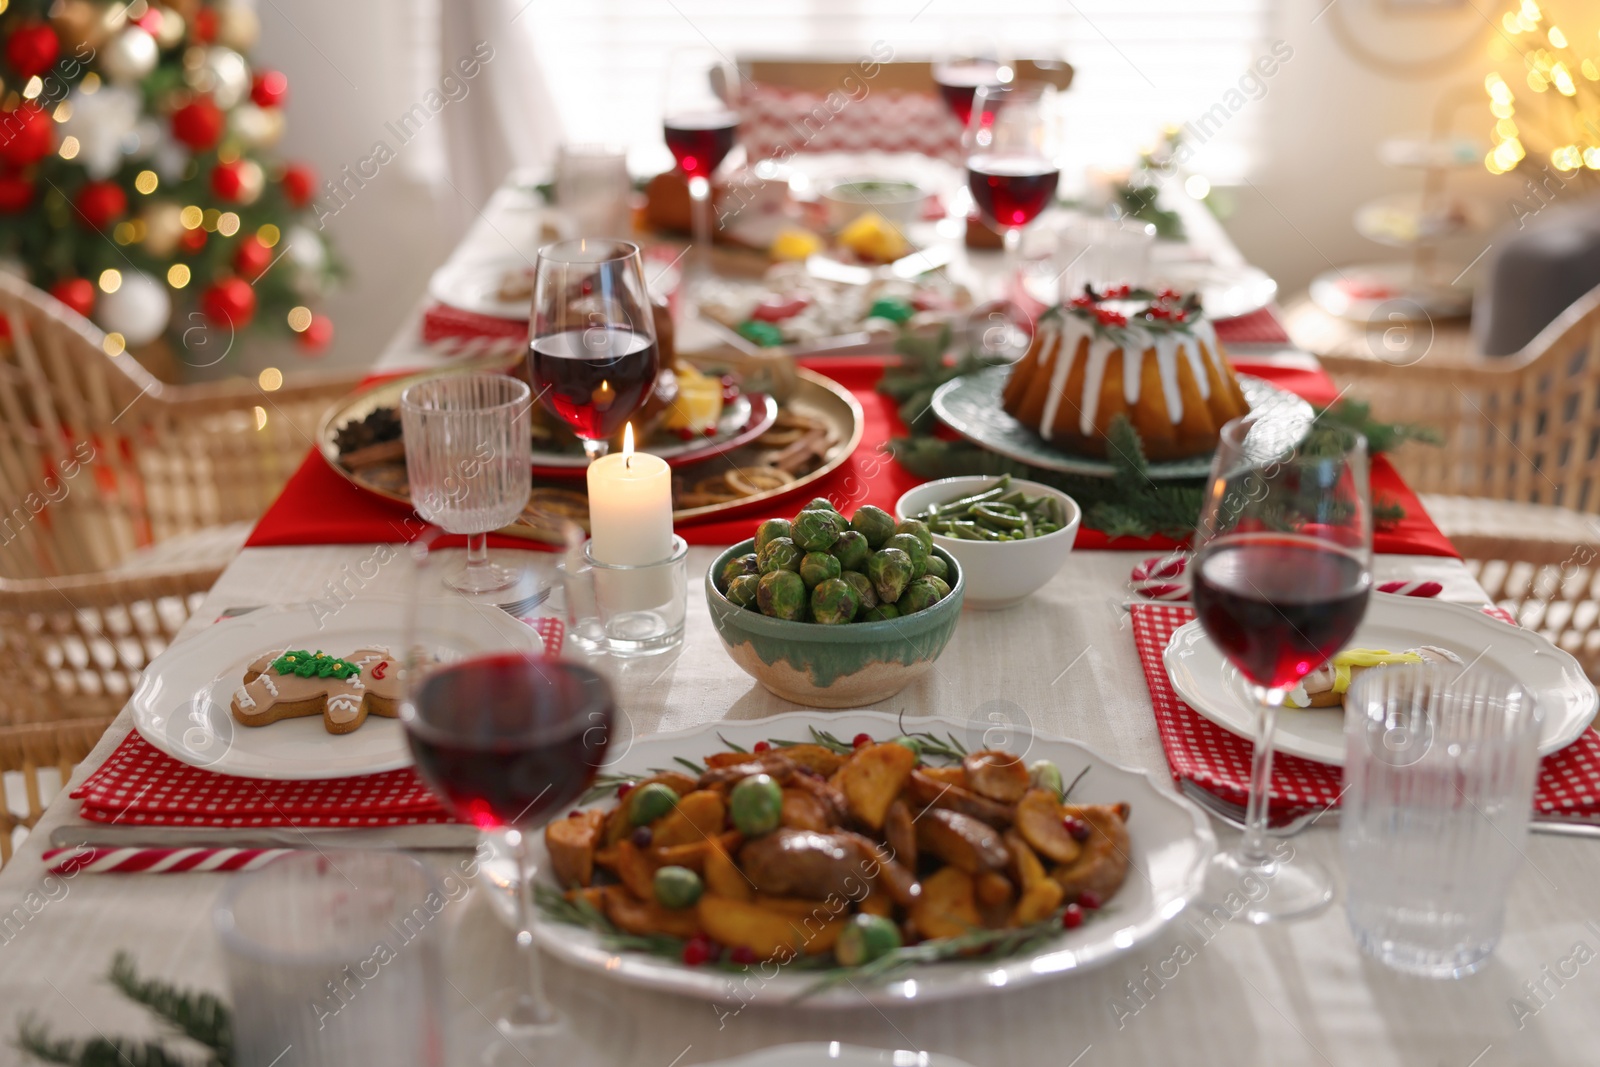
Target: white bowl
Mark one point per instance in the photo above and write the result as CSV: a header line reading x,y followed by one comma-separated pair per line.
x,y
999,574
897,199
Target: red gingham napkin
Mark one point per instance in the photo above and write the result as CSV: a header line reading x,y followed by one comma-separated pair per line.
x,y
139,784
1211,757
1257,328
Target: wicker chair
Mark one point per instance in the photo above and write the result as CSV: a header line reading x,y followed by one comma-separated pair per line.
x,y
1517,484
123,500
28,753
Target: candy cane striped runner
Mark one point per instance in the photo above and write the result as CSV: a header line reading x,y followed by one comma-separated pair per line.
x,y
83,859
1161,578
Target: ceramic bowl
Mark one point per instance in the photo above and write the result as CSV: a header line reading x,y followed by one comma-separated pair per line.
x,y
896,199
999,574
846,666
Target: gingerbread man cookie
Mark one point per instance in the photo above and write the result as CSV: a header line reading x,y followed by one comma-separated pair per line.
x,y
293,683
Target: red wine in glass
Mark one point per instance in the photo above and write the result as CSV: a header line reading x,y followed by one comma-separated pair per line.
x,y
595,379
1011,190
700,142
959,82
1279,605
506,740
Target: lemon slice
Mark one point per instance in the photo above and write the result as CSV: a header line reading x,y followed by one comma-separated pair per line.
x,y
698,405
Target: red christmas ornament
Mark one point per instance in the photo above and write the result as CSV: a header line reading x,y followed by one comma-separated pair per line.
x,y
227,181
229,302
26,136
198,124
32,49
193,240
252,258
315,337
76,293
299,184
268,88
16,193
100,204
203,26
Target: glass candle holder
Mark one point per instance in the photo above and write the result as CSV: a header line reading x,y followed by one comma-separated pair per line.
x,y
626,609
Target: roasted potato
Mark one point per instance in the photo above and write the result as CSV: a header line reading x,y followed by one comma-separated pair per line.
x,y
698,816
962,841
994,889
1102,863
900,833
1000,776
945,775
947,905
1025,866
723,877
571,843
873,777
617,824
803,811
631,866
645,916
929,792
1037,902
814,758
693,855
763,931
1039,822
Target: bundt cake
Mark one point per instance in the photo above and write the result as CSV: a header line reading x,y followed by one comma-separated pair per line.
x,y
1150,356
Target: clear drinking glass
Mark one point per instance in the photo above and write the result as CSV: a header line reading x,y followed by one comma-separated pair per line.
x,y
1013,143
626,609
1281,576
469,462
593,358
338,956
1440,764
700,122
593,188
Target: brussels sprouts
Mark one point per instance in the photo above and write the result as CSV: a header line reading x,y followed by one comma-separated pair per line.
x,y
918,529
875,524
865,938
938,568
820,503
738,565
912,546
781,554
867,595
1046,775
851,550
922,593
833,602
890,570
816,531
818,567
648,803
677,887
742,590
771,530
782,595
881,612
908,742
755,805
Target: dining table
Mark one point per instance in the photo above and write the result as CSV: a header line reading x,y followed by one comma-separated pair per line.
x,y
1063,662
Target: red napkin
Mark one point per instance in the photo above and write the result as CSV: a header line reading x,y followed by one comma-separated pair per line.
x,y
1204,753
441,322
1257,328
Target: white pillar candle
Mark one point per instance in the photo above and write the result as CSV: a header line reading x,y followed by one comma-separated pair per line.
x,y
630,507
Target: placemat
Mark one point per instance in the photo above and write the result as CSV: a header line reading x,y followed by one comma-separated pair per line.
x,y
1202,752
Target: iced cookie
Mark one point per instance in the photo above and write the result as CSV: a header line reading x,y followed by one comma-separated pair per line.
x,y
294,683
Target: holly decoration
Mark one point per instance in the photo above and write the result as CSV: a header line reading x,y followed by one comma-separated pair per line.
x,y
1113,310
111,202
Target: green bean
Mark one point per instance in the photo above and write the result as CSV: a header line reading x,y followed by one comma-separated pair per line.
x,y
993,517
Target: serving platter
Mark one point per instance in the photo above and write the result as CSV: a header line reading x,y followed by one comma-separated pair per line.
x,y
815,400
970,405
1213,687
1171,842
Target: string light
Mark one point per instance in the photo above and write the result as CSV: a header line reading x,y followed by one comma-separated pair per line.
x,y
1567,136
268,235
69,148
114,344
299,319
178,275
270,380
191,217
228,224
147,182
110,280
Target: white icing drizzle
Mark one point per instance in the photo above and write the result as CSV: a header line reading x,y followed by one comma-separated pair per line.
x,y
1050,348
266,680
343,707
1094,374
243,698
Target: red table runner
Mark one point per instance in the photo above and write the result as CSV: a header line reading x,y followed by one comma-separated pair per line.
x,y
1202,752
318,507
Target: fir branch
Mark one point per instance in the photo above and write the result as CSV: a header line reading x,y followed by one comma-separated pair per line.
x,y
199,1016
1356,415
36,1040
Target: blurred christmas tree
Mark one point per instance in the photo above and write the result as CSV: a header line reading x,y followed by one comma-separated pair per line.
x,y
136,180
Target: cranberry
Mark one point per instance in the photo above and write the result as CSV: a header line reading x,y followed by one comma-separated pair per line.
x,y
1169,295
709,431
685,434
1089,899
861,739
743,955
1083,301
1180,315
763,746
1157,313
641,837
1072,918
624,789
574,814
697,950
1076,827
1117,292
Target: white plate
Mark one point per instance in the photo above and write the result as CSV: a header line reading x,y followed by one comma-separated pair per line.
x,y
824,1054
182,703
1171,840
1226,291
1214,688
474,285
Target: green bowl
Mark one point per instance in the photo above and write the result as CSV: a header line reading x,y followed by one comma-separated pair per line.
x,y
845,666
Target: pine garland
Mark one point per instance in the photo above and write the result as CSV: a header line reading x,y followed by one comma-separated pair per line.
x,y
201,1017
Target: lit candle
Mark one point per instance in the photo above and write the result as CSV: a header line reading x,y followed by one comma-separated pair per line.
x,y
630,506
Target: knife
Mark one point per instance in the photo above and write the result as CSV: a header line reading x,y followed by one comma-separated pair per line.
x,y
421,837
905,268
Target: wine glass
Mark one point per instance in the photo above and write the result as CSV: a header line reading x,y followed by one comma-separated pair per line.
x,y
966,65
1012,144
469,465
700,120
593,359
506,736
1282,573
